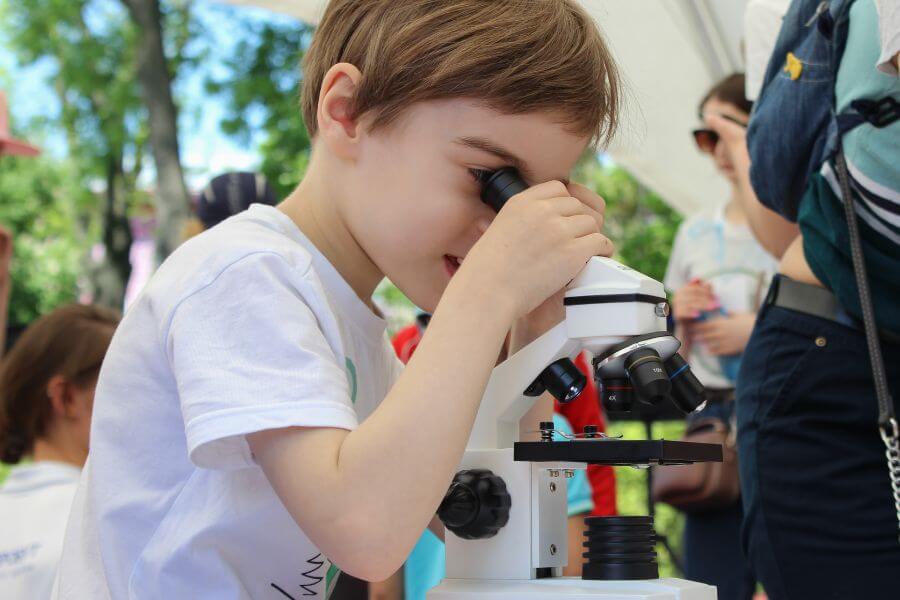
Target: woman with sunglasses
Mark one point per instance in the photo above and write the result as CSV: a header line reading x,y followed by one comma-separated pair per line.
x,y
717,272
47,386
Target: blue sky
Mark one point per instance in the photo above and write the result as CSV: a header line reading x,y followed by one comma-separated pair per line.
x,y
205,150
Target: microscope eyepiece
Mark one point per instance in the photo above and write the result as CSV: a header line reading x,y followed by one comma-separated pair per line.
x,y
500,186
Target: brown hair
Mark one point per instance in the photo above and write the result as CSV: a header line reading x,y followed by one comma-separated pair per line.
x,y
517,56
731,91
70,341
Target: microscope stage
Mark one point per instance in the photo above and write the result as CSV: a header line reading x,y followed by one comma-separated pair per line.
x,y
608,451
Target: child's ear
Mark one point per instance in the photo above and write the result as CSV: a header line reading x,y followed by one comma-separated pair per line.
x,y
60,396
338,127
65,398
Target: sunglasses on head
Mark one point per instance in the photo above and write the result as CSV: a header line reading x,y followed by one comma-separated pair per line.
x,y
706,139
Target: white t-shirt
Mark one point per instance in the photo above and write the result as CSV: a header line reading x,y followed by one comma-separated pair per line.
x,y
34,505
728,257
246,327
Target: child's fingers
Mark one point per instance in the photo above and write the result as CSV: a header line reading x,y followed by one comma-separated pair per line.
x,y
570,206
704,330
587,196
581,225
595,244
693,297
546,190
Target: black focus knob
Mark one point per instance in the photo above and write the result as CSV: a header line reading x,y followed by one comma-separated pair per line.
x,y
476,505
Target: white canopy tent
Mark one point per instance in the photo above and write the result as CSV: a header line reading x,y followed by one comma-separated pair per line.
x,y
670,52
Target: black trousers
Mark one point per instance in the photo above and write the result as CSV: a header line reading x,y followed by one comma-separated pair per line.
x,y
819,520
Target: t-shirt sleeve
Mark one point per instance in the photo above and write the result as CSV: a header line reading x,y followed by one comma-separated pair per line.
x,y
889,29
248,353
397,367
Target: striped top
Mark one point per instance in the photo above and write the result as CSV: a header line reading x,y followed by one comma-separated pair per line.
x,y
873,162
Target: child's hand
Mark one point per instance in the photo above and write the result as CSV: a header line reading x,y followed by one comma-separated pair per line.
x,y
725,336
535,246
529,327
692,299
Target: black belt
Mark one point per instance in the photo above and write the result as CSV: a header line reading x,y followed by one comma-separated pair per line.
x,y
816,301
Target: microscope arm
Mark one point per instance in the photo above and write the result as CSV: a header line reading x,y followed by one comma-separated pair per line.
x,y
504,403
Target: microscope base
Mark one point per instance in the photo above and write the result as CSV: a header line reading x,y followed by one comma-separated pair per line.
x,y
571,588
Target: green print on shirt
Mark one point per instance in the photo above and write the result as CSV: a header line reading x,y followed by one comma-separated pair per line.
x,y
351,371
331,578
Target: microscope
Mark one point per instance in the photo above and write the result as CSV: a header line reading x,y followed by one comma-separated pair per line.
x,y
505,512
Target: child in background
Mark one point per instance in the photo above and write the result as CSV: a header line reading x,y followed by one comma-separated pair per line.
x,y
270,438
46,395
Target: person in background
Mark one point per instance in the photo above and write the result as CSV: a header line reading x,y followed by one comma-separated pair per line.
x,y
46,397
224,196
590,493
227,195
819,517
718,272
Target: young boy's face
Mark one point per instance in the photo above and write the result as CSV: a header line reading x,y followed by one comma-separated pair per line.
x,y
414,203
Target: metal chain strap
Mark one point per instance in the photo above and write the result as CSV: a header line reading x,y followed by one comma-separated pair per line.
x,y
887,420
891,440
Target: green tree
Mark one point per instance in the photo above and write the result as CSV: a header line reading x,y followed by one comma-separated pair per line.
x,y
261,91
101,114
103,57
44,202
640,223
155,72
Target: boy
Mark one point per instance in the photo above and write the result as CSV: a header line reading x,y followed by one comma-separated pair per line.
x,y
254,355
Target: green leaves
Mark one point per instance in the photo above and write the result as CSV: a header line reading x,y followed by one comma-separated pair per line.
x,y
42,201
90,49
261,88
642,226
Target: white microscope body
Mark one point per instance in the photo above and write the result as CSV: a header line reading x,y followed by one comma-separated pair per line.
x,y
606,305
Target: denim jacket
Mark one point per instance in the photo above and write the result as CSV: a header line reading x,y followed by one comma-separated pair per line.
x,y
793,128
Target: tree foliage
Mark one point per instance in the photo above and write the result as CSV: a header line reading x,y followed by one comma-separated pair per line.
x,y
638,221
154,77
261,92
45,203
92,49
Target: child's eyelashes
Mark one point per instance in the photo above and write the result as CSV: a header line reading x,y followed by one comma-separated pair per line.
x,y
480,175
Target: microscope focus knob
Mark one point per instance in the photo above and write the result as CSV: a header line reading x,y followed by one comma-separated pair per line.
x,y
476,505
